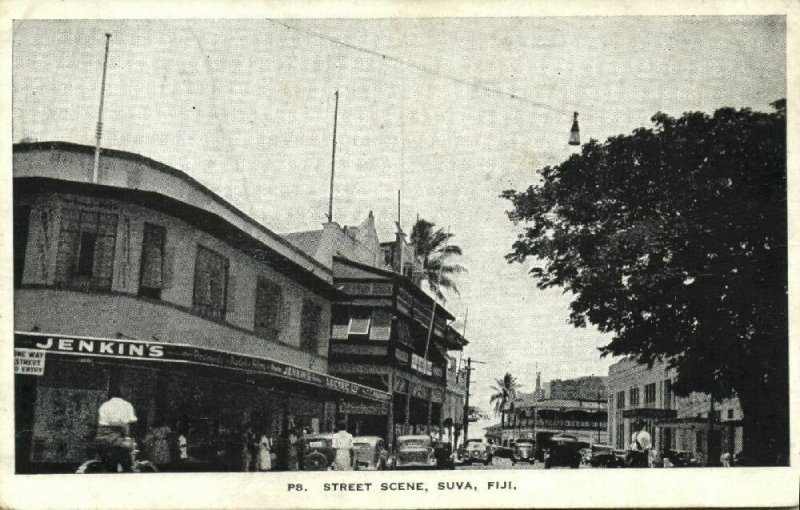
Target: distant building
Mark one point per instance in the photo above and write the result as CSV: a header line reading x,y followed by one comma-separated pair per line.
x,y
530,418
675,423
582,388
379,332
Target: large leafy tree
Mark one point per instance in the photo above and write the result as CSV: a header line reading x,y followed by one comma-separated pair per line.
x,y
505,390
434,246
674,239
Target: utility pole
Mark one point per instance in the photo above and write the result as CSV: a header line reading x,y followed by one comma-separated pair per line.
x,y
469,370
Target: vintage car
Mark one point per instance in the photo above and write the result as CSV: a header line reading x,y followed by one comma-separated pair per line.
x,y
564,450
477,451
319,453
679,458
415,452
524,451
371,453
604,455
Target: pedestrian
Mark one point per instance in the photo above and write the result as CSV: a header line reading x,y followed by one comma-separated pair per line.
x,y
292,463
343,445
264,458
247,448
157,444
641,444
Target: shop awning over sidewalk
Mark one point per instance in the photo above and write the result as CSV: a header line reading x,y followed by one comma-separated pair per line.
x,y
649,413
31,351
694,423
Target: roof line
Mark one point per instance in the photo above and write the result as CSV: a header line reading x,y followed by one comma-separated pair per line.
x,y
157,165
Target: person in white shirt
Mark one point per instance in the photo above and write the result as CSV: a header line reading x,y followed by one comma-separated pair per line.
x,y
641,444
113,428
343,444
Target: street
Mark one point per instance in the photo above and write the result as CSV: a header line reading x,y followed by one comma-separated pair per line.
x,y
499,463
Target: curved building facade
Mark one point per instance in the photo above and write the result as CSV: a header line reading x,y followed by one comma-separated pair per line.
x,y
207,320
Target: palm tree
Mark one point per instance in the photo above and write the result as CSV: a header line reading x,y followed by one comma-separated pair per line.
x,y
433,246
505,391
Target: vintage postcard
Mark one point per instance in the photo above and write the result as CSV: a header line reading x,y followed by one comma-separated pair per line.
x,y
439,256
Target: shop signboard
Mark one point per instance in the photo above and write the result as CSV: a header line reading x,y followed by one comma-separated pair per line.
x,y
29,361
180,353
421,365
379,409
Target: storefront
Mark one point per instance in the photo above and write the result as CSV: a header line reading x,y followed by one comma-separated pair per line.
x,y
206,394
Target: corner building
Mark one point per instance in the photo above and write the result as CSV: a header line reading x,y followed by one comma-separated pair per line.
x,y
204,317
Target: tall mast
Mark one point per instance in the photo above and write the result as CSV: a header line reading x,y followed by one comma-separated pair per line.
x,y
99,131
333,156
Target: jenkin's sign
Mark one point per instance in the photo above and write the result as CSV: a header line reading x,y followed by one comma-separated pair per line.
x,y
181,353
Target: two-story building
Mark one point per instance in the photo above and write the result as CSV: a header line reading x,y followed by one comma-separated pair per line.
x,y
386,332
639,392
147,280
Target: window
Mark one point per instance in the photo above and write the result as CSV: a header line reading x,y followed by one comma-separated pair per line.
x,y
269,299
621,400
668,393
86,250
359,322
22,214
340,323
650,393
634,396
381,325
210,284
309,326
151,278
730,414
620,435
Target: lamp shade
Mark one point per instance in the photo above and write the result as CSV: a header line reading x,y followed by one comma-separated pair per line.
x,y
575,132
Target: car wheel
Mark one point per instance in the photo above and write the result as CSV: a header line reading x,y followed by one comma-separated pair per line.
x,y
316,461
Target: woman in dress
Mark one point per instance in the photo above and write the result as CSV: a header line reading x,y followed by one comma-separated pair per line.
x,y
264,459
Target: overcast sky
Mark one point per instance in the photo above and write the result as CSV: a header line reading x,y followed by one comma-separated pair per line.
x,y
246,107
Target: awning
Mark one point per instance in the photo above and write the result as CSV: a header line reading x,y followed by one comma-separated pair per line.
x,y
649,413
694,423
161,352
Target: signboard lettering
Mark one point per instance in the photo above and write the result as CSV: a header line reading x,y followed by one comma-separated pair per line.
x,y
155,351
29,362
421,365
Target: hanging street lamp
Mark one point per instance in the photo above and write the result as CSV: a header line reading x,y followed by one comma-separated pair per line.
x,y
575,132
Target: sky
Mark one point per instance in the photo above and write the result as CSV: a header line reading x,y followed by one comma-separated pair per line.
x,y
449,111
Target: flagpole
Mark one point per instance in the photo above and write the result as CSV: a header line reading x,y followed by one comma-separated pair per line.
x,y
333,156
438,279
99,131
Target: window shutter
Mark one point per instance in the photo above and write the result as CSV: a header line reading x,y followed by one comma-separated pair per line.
x,y
169,263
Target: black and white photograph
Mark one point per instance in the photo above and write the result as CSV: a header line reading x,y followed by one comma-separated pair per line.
x,y
399,257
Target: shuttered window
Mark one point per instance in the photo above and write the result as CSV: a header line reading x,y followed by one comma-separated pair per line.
x,y
210,284
151,279
310,326
86,250
269,301
381,325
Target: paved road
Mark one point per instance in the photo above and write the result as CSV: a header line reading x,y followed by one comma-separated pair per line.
x,y
506,464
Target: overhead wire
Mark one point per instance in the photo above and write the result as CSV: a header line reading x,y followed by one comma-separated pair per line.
x,y
423,69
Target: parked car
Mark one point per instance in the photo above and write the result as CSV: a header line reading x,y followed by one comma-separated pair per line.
x,y
371,453
564,450
503,451
603,455
478,451
542,443
523,451
414,452
679,458
320,453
